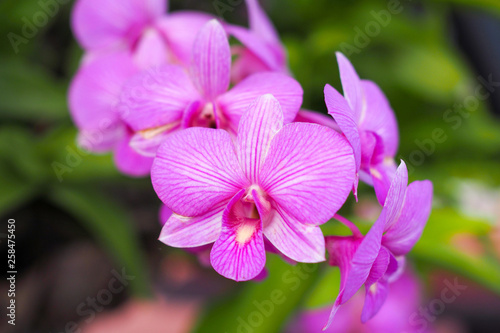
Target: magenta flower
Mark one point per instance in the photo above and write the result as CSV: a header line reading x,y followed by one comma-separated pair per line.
x,y
403,300
275,181
368,122
262,49
157,103
93,96
377,258
141,27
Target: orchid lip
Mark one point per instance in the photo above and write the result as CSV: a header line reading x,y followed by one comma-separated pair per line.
x,y
152,132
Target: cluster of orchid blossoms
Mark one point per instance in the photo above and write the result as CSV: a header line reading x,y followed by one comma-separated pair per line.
x,y
240,167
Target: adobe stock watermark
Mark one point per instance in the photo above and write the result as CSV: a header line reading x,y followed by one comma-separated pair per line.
x,y
92,305
264,308
31,25
454,118
372,29
427,314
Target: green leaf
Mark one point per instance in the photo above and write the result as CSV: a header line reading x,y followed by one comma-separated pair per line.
x,y
29,92
262,307
434,247
485,271
13,192
326,289
111,226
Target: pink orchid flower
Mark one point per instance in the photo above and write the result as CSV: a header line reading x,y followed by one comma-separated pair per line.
x,y
378,258
275,181
368,122
403,300
158,102
121,39
262,49
141,27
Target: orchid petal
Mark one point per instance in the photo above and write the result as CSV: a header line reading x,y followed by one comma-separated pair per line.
x,y
156,97
309,171
95,90
375,298
180,30
404,234
151,50
181,231
259,23
102,140
196,169
351,85
285,89
379,267
339,109
271,54
296,240
363,259
239,252
211,62
382,176
380,118
341,251
146,143
99,24
164,214
257,127
245,64
129,162
396,196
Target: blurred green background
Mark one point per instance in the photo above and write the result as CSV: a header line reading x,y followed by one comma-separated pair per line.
x,y
75,228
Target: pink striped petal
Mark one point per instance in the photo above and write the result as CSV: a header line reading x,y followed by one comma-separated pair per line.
x,y
257,127
307,116
129,162
339,109
351,85
363,259
285,89
380,118
104,24
239,252
95,90
382,176
309,171
180,30
375,298
259,23
271,54
341,250
156,97
298,241
377,286
181,231
195,170
211,62
396,196
404,234
379,267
